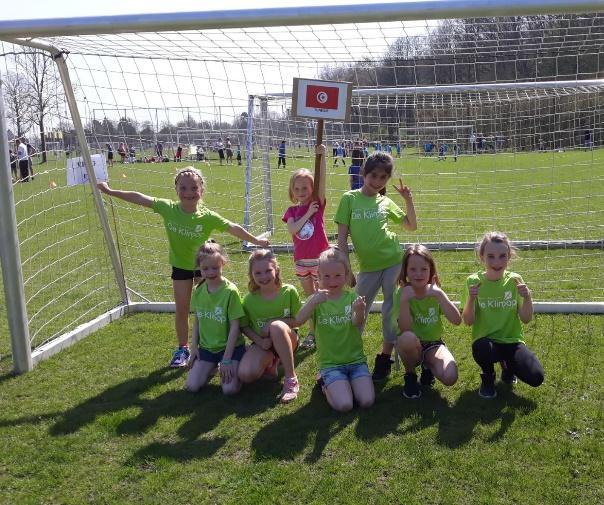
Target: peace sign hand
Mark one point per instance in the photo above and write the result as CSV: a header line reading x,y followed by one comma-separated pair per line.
x,y
403,189
433,289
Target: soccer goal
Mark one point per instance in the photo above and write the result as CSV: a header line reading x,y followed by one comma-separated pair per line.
x,y
520,93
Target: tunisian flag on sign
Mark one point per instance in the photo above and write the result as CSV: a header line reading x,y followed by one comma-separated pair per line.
x,y
322,97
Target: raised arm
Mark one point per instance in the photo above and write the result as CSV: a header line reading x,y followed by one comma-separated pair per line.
x,y
320,149
307,309
410,221
129,196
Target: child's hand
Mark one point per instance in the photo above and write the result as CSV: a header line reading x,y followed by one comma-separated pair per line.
x,y
359,304
312,209
473,290
407,293
433,289
262,242
320,149
103,187
403,190
523,289
227,372
265,343
320,296
194,355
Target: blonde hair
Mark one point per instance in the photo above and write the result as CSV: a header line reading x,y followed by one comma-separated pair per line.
x,y
193,172
498,238
259,255
304,174
210,248
334,254
417,250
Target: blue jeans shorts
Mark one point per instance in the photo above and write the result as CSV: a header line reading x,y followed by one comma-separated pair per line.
x,y
343,373
216,357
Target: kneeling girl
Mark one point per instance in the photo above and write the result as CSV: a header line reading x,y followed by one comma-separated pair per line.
x,y
338,315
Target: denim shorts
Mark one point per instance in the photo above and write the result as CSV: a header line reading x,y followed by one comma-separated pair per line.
x,y
344,373
216,357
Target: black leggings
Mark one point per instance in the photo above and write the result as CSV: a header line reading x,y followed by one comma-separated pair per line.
x,y
518,358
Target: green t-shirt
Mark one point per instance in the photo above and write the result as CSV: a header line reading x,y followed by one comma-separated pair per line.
x,y
215,311
496,313
376,247
259,311
338,340
186,232
426,316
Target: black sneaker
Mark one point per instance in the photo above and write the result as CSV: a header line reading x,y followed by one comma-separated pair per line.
x,y
381,368
427,377
508,377
487,388
411,388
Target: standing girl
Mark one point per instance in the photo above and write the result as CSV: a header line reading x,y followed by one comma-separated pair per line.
x,y
339,314
270,311
216,339
419,303
364,213
188,224
306,222
494,303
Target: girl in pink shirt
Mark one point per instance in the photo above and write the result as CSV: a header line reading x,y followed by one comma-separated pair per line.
x,y
306,222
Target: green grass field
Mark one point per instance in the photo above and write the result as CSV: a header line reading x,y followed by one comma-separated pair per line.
x,y
106,422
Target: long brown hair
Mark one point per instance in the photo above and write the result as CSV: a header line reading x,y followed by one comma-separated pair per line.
x,y
379,160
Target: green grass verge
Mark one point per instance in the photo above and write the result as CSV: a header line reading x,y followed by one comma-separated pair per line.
x,y
106,422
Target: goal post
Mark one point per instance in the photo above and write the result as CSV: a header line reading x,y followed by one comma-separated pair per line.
x,y
77,260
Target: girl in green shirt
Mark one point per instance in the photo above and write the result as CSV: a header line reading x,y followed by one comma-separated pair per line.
x,y
495,302
216,339
419,303
270,312
339,314
188,225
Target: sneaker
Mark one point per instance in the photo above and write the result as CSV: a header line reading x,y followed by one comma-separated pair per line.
x,y
290,389
381,368
271,372
507,376
411,388
180,357
427,377
308,342
487,387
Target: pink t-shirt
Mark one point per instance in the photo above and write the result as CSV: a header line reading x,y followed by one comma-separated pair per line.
x,y
311,240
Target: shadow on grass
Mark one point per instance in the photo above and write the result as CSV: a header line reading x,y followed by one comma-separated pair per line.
x,y
289,435
457,428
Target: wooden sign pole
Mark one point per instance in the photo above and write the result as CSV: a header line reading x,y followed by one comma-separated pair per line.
x,y
315,189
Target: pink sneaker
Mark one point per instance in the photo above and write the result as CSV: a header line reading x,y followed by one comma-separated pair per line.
x,y
290,389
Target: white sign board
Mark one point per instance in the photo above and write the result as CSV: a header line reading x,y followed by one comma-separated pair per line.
x,y
316,99
76,170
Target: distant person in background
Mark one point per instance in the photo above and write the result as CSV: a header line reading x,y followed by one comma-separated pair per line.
x,y
159,150
132,154
109,154
22,159
121,150
587,141
339,155
455,151
178,156
30,153
398,149
229,151
281,155
13,165
473,143
354,171
238,155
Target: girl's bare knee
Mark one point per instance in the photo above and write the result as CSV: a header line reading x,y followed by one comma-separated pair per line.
x,y
342,406
232,388
366,402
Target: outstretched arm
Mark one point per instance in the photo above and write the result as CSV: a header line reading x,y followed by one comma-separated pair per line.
x,y
240,233
320,150
129,196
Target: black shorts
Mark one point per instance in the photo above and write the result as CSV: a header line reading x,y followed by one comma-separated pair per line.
x,y
426,346
109,156
221,154
179,274
216,357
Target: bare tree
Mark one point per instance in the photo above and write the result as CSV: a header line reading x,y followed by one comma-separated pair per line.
x,y
17,100
39,72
